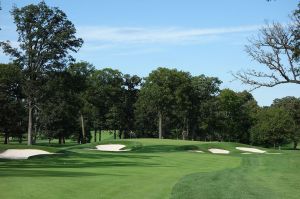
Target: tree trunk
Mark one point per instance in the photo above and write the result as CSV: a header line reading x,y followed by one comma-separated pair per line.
x,y
79,140
295,145
20,139
115,134
34,131
187,128
100,135
120,134
29,132
95,135
82,129
34,139
6,138
160,125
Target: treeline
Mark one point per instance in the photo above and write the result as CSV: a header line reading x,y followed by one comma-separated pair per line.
x,y
45,94
73,102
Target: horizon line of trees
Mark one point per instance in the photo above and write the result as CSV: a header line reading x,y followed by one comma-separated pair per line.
x,y
168,103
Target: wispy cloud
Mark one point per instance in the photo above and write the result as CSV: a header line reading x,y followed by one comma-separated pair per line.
x,y
136,35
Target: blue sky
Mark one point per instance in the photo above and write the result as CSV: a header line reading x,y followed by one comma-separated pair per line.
x,y
198,36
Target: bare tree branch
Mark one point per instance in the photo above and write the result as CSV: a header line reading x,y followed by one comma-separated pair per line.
x,y
274,48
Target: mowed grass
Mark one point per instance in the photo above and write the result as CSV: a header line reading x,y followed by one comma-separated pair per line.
x,y
153,169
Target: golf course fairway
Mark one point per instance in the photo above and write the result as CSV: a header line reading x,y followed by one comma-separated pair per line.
x,y
151,169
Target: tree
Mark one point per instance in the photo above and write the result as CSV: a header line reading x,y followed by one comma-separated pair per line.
x,y
113,89
11,109
165,94
46,37
203,117
130,91
106,94
234,115
97,97
277,48
81,72
273,127
292,106
59,109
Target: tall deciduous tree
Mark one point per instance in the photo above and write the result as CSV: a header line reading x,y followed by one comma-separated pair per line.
x,y
162,92
106,95
273,127
234,115
46,36
81,72
130,95
292,106
203,109
59,109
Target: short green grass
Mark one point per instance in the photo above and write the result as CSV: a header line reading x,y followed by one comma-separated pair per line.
x,y
152,169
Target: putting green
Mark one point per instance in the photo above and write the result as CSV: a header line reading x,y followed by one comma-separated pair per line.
x,y
152,169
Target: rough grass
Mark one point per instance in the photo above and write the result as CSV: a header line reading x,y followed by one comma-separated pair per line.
x,y
152,169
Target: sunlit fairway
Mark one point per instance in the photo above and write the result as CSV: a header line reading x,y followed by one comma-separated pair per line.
x,y
152,169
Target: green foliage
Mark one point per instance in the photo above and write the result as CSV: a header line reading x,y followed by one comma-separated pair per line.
x,y
273,127
59,111
178,97
292,106
235,115
11,109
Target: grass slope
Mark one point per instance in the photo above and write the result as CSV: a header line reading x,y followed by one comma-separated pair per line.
x,y
153,169
259,176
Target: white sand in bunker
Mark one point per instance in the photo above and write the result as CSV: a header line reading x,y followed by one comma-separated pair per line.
x,y
219,151
112,147
196,151
22,153
252,150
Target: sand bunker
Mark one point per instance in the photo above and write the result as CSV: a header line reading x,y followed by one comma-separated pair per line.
x,y
219,151
252,150
21,153
196,151
111,147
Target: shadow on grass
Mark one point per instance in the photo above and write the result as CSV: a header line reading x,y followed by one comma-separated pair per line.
x,y
56,145
45,173
165,148
79,160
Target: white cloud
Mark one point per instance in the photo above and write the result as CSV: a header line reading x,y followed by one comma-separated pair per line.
x,y
136,35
